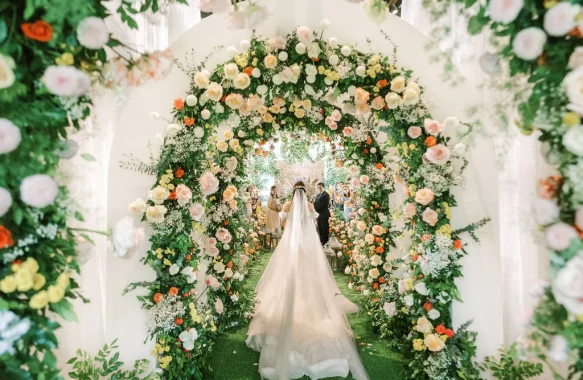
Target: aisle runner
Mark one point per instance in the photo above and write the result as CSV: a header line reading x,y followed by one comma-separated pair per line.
x,y
232,359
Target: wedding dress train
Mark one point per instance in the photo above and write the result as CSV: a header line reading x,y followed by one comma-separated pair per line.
x,y
300,326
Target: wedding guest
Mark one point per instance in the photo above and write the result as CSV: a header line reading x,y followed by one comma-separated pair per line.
x,y
348,203
273,209
338,200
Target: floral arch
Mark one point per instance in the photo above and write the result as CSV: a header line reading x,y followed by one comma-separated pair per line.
x,y
362,102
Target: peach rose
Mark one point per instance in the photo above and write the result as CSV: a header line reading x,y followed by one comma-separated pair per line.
x,y
234,101
196,211
242,81
424,196
223,235
233,204
270,61
433,127
438,154
234,143
409,210
228,195
361,96
214,92
414,132
361,225
369,238
336,115
559,236
222,146
364,179
377,230
434,343
348,131
254,102
429,216
183,194
209,184
423,325
231,163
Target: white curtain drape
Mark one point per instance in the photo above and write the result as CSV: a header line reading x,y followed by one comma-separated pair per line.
x,y
523,261
87,179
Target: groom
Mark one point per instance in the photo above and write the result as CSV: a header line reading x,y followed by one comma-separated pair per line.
x,y
322,206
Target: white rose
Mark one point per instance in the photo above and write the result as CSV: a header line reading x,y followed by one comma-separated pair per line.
x,y
282,56
568,285
231,70
304,34
66,81
245,44
408,300
393,100
361,71
433,314
219,267
529,43
173,269
10,136
158,195
300,48
242,81
333,59
333,42
390,309
205,114
576,58
201,79
374,273
198,132
573,84
423,325
573,140
262,89
172,129
559,349
346,50
545,211
376,260
7,76
209,184
256,73
314,50
155,214
38,190
277,80
410,97
92,33
215,91
347,270
222,146
459,149
561,18
196,211
138,206
398,84
504,11
5,201
421,288
559,236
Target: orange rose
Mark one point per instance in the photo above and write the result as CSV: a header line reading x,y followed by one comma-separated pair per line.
x,y
189,120
5,238
430,141
39,31
427,306
549,187
188,257
457,244
265,153
173,291
382,280
415,257
230,264
449,333
172,196
440,329
248,70
382,83
369,141
179,172
365,151
178,104
379,250
179,321
378,239
379,166
158,297
375,285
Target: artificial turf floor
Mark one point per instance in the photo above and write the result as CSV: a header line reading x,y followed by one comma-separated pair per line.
x,y
233,360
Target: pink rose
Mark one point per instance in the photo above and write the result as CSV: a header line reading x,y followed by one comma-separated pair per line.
x,y
244,259
329,120
223,235
348,131
336,115
364,179
361,96
429,216
212,251
209,184
559,236
409,210
377,230
579,218
355,182
211,241
363,108
333,126
369,238
378,103
277,42
219,307
231,163
304,34
438,154
424,196
414,132
212,282
183,194
354,170
196,211
235,101
433,127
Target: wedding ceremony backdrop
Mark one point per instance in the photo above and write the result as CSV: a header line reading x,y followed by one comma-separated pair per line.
x,y
425,251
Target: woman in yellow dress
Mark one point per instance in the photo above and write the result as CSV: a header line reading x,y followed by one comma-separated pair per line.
x,y
273,209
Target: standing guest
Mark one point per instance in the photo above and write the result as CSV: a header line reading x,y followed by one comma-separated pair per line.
x,y
322,207
348,203
338,200
273,209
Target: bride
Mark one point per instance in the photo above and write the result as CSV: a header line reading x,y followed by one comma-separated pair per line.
x,y
300,324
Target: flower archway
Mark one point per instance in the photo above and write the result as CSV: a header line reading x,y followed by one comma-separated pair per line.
x,y
293,83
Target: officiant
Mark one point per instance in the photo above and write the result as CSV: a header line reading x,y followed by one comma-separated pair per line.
x,y
322,207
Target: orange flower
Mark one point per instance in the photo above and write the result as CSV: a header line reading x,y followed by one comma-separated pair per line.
x,y
379,166
375,285
378,239
226,222
416,257
5,238
158,297
358,288
173,291
549,187
178,104
425,237
382,83
365,151
230,264
172,195
39,31
248,70
265,153
382,280
179,172
369,141
188,257
427,306
440,329
315,59
457,244
179,321
449,333
189,120
379,250
430,141
575,32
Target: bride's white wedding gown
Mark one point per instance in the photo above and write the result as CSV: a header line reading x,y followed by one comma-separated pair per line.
x,y
300,326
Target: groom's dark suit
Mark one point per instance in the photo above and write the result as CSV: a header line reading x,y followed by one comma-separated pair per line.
x,y
322,207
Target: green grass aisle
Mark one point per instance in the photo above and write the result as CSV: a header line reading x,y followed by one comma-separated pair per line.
x,y
232,360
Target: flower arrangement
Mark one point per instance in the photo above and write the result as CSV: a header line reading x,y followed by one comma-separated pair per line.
x,y
51,58
298,84
538,49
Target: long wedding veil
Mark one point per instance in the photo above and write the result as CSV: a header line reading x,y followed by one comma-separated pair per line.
x,y
302,314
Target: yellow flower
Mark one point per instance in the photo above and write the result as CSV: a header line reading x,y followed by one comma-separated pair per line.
x,y
259,131
300,113
63,280
374,60
321,70
377,68
39,300
24,280
31,265
8,284
38,281
571,119
409,283
167,262
443,338
434,343
418,345
213,328
56,293
66,59
15,267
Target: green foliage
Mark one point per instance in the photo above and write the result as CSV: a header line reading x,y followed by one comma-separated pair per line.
x,y
508,367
